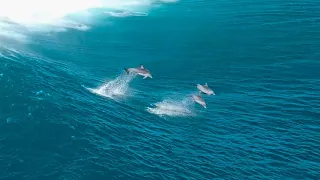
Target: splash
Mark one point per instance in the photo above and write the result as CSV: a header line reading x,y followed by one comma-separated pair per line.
x,y
119,87
173,108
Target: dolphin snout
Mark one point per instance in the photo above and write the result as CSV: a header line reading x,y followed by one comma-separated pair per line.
x,y
204,105
149,75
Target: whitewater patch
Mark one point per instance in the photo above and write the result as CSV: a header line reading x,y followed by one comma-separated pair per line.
x,y
117,88
18,19
173,107
12,31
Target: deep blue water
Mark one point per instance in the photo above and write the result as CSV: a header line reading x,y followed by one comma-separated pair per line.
x,y
260,57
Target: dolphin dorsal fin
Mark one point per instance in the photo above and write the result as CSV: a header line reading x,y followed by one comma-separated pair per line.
x,y
141,66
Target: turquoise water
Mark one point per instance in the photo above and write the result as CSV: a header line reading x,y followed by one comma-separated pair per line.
x,y
69,111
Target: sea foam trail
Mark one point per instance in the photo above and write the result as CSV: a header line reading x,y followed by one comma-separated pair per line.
x,y
119,87
173,107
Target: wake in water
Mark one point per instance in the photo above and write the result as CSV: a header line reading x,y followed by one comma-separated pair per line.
x,y
173,107
116,88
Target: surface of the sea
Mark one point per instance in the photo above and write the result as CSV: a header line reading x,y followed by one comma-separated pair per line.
x,y
68,111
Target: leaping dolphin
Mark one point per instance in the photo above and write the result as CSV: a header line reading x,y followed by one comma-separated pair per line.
x,y
140,71
198,99
205,89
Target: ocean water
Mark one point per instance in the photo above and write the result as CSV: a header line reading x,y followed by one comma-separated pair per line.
x,y
68,111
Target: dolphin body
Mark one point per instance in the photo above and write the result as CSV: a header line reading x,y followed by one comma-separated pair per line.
x,y
198,99
140,71
205,89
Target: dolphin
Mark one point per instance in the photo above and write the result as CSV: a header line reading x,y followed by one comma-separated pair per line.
x,y
198,99
140,71
205,89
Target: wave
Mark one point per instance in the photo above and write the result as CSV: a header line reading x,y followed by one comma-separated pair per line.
x,y
19,18
173,107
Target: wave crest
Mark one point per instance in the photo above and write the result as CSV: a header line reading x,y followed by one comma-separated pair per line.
x,y
48,15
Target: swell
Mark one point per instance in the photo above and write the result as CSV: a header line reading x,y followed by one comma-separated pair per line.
x,y
254,129
263,120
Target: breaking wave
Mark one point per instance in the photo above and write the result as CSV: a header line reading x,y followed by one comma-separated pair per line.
x,y
20,18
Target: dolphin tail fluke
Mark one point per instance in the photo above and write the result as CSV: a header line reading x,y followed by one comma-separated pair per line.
x,y
127,71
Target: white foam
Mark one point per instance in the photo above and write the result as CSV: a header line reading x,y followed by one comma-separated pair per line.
x,y
10,30
125,14
116,88
54,15
173,108
72,25
9,34
168,1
